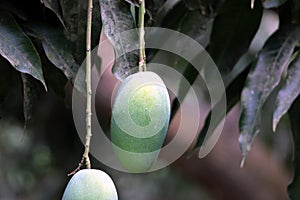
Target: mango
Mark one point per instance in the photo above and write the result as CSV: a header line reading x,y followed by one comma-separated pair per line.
x,y
140,120
90,184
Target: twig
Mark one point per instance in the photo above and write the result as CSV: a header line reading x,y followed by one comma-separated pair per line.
x,y
141,24
88,86
85,160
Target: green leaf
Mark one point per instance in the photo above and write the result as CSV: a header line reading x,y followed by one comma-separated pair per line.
x,y
17,48
117,18
232,33
75,15
272,3
294,187
56,48
261,81
55,7
30,96
288,92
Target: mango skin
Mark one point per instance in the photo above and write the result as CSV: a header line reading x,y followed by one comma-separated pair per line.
x,y
140,120
90,184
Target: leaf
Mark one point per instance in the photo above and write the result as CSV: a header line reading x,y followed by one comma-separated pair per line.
x,y
55,7
74,15
232,33
56,48
261,81
272,3
30,96
196,25
294,187
232,95
17,48
288,92
152,8
133,2
165,10
117,18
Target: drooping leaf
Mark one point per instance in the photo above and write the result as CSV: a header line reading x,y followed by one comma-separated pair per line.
x,y
56,48
74,15
17,48
272,3
133,2
288,92
196,24
294,115
232,33
30,95
152,8
117,18
55,7
12,8
232,96
165,10
261,81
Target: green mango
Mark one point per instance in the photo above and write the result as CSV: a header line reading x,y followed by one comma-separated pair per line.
x,y
140,120
90,184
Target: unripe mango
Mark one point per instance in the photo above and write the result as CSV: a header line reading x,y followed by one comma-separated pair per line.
x,y
90,184
140,120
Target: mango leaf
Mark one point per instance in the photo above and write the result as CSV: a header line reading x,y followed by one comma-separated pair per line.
x,y
288,92
56,48
17,48
261,81
294,187
165,10
55,7
133,2
152,7
117,18
232,96
197,25
232,33
74,15
272,3
30,96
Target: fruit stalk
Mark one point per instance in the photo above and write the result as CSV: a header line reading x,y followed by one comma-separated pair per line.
x,y
141,24
88,86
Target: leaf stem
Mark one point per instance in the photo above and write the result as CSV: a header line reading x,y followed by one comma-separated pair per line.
x,y
141,24
88,86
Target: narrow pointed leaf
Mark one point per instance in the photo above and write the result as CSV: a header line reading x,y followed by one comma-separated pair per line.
x,y
30,95
55,7
56,48
288,92
261,81
117,18
17,48
133,2
294,115
232,32
232,96
196,24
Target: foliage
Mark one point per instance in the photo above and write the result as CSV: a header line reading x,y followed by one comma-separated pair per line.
x,y
38,35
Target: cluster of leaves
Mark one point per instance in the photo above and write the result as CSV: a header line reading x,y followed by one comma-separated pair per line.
x,y
226,29
37,37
